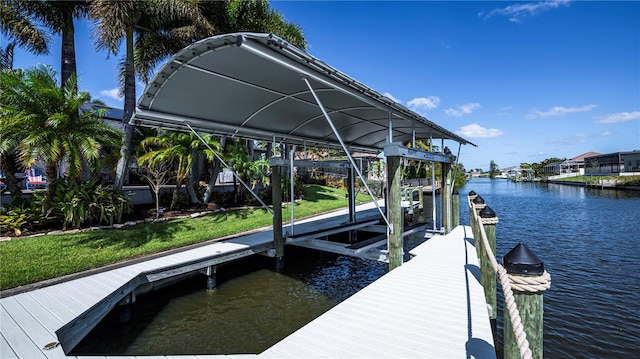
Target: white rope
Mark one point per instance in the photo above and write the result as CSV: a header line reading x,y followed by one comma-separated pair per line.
x,y
531,284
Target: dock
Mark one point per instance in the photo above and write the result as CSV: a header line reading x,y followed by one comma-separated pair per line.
x,y
432,306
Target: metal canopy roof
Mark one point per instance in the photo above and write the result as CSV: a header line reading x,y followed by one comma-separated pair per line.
x,y
252,86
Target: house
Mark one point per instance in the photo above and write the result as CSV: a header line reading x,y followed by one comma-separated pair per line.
x,y
616,164
571,167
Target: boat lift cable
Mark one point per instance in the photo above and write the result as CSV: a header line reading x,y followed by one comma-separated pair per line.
x,y
229,168
346,150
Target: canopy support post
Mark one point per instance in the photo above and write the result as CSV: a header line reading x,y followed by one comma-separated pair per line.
x,y
346,150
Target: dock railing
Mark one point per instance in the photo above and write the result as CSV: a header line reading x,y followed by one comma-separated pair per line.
x,y
523,281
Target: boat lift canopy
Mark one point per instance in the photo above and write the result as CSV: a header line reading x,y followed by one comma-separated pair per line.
x,y
258,86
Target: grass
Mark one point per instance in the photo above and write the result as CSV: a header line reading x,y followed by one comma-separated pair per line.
x,y
621,180
29,260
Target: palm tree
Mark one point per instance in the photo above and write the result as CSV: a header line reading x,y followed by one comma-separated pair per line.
x,y
123,20
176,148
248,169
44,121
16,22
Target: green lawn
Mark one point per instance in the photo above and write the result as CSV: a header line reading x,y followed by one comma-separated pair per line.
x,y
29,260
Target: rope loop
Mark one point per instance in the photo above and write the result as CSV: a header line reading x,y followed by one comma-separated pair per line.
x,y
492,220
531,284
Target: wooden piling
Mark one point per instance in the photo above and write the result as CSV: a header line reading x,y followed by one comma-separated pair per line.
x,y
276,193
487,273
456,209
478,201
521,262
446,198
394,211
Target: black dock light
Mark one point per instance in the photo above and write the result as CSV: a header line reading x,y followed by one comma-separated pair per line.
x,y
520,260
487,212
472,193
478,200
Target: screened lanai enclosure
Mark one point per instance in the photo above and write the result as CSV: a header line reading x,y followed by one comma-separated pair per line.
x,y
260,87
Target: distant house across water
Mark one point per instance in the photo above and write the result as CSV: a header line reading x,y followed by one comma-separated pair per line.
x,y
572,167
616,164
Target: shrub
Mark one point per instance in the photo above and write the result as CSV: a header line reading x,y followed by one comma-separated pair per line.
x,y
77,203
23,217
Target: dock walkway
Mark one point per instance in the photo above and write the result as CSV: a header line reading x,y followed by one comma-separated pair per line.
x,y
432,306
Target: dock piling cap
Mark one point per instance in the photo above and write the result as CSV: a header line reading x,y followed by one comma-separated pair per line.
x,y
487,212
478,200
521,260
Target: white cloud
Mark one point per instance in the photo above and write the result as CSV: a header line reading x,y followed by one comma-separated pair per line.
x,y
618,117
517,12
423,104
113,93
462,110
476,131
560,111
390,96
606,133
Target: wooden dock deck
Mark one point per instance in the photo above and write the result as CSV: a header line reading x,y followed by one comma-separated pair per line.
x,y
432,306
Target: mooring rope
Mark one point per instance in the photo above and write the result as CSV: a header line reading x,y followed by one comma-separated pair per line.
x,y
509,283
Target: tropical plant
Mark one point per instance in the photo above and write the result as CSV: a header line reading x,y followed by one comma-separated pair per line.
x,y
249,170
22,217
76,203
45,123
175,148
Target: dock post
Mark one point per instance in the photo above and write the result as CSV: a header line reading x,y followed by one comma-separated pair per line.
x,y
394,213
446,198
528,280
477,237
124,306
212,281
421,211
472,219
487,273
276,193
456,208
351,193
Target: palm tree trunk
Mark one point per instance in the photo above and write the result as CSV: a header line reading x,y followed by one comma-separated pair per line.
x,y
215,171
192,180
68,55
8,164
176,195
52,184
129,106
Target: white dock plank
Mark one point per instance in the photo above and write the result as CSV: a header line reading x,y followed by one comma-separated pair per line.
x,y
44,316
57,310
5,349
17,339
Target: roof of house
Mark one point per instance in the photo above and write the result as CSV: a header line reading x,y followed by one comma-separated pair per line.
x,y
588,154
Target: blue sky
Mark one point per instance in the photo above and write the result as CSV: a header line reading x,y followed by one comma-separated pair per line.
x,y
523,80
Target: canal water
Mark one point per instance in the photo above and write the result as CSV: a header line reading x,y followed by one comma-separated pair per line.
x,y
589,240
